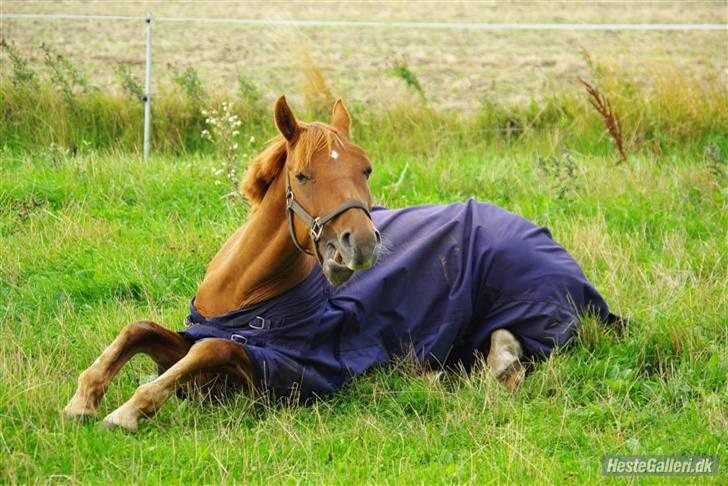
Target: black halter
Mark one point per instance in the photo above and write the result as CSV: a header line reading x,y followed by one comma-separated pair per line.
x,y
316,225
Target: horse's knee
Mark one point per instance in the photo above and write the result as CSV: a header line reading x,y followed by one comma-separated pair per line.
x,y
140,329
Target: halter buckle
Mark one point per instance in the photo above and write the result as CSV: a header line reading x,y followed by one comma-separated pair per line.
x,y
316,229
289,198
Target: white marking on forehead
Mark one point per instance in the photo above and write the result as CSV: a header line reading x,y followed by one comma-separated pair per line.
x,y
334,154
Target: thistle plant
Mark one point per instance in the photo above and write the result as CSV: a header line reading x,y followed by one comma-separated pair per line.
x,y
65,76
223,131
562,173
130,85
715,162
23,75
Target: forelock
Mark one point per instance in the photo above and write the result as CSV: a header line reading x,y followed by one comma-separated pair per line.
x,y
314,137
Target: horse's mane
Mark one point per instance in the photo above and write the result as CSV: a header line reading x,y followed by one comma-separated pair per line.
x,y
261,172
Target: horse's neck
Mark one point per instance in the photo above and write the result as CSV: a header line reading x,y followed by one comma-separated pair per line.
x,y
258,262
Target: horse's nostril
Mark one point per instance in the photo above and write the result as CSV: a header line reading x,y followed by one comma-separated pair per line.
x,y
345,239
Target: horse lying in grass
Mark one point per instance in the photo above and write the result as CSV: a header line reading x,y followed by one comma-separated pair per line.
x,y
318,286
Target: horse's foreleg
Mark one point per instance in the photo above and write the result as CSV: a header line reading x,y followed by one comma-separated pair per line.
x,y
504,358
211,355
165,347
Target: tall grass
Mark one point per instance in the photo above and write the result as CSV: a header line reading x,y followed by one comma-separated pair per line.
x,y
52,103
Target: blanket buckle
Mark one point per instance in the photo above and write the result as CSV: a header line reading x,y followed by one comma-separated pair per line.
x,y
238,338
257,323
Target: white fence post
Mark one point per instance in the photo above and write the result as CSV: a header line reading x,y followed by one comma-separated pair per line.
x,y
148,88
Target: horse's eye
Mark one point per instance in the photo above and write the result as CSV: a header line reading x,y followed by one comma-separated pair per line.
x,y
367,172
301,177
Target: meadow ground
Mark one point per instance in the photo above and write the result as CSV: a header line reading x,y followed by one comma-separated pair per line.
x,y
92,242
92,238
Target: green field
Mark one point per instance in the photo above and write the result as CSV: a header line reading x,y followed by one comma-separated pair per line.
x,y
92,238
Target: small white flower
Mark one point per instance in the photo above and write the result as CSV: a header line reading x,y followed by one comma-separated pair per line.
x,y
235,146
235,133
252,139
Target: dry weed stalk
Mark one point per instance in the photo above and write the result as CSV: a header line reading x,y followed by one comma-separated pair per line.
x,y
600,103
316,92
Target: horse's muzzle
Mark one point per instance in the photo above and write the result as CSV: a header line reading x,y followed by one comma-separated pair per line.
x,y
349,252
359,252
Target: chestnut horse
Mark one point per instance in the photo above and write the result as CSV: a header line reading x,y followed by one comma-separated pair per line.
x,y
311,207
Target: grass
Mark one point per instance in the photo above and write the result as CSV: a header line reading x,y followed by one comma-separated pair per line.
x,y
93,241
92,238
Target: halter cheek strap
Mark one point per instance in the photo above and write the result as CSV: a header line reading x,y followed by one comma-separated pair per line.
x,y
315,224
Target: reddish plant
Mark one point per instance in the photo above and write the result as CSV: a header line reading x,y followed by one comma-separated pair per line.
x,y
600,103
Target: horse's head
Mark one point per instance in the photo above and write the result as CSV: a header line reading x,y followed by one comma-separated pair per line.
x,y
327,191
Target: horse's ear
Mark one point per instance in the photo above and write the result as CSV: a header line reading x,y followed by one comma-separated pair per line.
x,y
340,118
285,121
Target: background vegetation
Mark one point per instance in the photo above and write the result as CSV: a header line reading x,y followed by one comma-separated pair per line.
x,y
93,238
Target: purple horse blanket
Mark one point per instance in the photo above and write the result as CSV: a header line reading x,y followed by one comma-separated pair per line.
x,y
448,277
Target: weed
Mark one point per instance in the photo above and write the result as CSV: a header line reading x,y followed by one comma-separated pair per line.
x,y
611,121
562,172
248,91
189,81
130,85
223,131
402,71
57,153
64,75
317,95
23,75
715,161
496,118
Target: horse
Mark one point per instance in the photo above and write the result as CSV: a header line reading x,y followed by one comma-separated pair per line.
x,y
318,286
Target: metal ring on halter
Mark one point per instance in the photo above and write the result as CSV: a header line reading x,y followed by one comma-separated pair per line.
x,y
316,229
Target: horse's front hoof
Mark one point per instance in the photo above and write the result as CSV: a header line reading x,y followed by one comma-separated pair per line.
x,y
512,376
121,418
78,409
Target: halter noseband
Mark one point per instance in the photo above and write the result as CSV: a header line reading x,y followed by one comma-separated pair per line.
x,y
317,224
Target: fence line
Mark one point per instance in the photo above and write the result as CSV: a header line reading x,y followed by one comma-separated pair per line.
x,y
377,24
340,23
